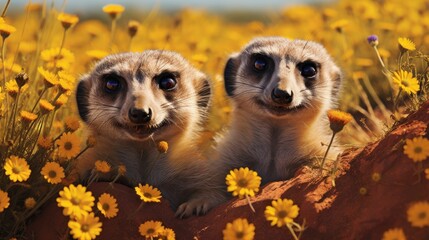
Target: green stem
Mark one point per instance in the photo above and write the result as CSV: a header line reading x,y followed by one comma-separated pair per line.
x,y
61,48
292,232
40,97
395,102
327,150
250,204
379,57
112,33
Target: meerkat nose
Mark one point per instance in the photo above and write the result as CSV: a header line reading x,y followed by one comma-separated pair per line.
x,y
281,96
139,115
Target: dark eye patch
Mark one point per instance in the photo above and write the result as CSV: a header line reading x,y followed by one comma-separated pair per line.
x,y
112,83
167,81
260,63
308,69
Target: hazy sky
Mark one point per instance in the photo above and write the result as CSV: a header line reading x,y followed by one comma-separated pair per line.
x,y
82,5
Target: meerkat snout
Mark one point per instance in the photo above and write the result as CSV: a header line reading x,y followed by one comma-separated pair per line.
x,y
140,116
281,96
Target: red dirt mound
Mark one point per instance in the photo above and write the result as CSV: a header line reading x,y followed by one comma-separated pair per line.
x,y
345,211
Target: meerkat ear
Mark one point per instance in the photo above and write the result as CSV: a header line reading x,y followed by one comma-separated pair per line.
x,y
204,92
230,74
82,95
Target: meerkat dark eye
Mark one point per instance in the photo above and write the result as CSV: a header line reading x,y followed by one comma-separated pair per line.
x,y
308,69
112,83
167,82
260,64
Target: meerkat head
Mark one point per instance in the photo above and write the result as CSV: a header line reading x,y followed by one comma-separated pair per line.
x,y
276,77
140,95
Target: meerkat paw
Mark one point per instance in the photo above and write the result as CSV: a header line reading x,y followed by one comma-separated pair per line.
x,y
197,206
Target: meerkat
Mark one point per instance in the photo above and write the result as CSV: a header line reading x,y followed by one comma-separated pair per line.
x,y
130,102
280,90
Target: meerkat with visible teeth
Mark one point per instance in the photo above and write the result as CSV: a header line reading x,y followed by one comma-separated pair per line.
x,y
131,101
280,90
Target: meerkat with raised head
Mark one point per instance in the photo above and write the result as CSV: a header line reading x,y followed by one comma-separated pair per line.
x,y
130,102
280,90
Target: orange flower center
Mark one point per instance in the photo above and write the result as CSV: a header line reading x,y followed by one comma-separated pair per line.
x,y
405,83
242,183
84,228
16,170
52,174
106,207
150,231
75,201
239,235
422,215
68,146
281,214
148,195
418,149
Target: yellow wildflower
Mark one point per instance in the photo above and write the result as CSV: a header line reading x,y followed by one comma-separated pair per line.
x,y
282,212
45,106
102,166
122,169
30,203
6,30
406,44
417,148
12,88
243,182
75,200
133,27
338,119
376,177
53,172
67,20
114,10
418,214
151,229
406,81
4,200
394,234
61,101
162,147
71,123
53,58
148,193
17,169
44,142
68,145
28,116
91,141
239,229
85,227
167,234
107,205
49,78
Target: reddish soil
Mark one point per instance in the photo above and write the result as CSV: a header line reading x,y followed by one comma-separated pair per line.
x,y
340,212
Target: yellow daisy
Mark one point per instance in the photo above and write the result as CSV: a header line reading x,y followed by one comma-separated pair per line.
x,y
75,200
114,10
45,106
102,166
394,234
406,44
53,58
85,227
151,229
4,200
53,172
282,212
417,148
133,27
6,30
44,142
68,145
49,78
167,234
107,205
71,123
418,214
28,116
61,101
338,119
17,169
406,81
148,193
243,182
30,203
239,229
162,147
67,20
12,88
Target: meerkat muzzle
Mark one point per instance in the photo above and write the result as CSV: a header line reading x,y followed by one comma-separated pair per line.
x,y
139,116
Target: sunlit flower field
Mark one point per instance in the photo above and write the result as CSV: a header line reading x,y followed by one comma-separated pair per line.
x,y
381,46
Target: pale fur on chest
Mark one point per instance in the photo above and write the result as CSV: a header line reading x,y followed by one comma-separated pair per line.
x,y
273,148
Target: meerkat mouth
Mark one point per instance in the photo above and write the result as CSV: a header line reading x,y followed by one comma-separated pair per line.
x,y
142,131
279,110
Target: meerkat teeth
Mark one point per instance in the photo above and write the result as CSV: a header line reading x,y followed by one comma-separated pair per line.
x,y
123,102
